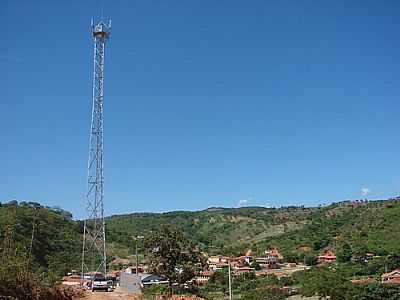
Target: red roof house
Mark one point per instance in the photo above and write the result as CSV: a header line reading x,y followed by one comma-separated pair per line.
x,y
391,277
327,257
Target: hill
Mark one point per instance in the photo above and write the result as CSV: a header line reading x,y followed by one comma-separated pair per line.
x,y
48,235
297,231
365,225
222,230
360,226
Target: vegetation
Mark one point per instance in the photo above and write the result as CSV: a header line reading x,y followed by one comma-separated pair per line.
x,y
247,286
20,276
215,230
172,255
155,290
49,236
350,229
40,244
336,284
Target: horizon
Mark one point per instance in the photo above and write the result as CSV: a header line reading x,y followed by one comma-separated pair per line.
x,y
206,104
365,200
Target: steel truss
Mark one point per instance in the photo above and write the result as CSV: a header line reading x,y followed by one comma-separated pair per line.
x,y
94,258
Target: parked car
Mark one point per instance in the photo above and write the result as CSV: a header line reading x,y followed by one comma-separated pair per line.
x,y
102,284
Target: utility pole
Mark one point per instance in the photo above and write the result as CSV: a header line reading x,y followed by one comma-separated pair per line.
x,y
230,281
137,238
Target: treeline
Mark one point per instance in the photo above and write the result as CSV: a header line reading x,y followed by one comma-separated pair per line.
x,y
336,283
50,237
225,231
301,234
34,252
39,244
350,230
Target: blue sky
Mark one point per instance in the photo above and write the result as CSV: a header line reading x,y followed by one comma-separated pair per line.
x,y
207,103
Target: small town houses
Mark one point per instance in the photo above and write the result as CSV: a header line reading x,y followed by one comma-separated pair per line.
x,y
391,277
271,263
203,277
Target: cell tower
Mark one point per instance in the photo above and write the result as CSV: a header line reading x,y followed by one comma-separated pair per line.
x,y
94,240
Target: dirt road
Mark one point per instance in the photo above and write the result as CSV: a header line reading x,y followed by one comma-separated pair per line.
x,y
115,295
120,295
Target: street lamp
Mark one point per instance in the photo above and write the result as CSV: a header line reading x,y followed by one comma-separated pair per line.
x,y
136,238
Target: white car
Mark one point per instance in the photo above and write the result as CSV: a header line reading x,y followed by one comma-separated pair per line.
x,y
101,284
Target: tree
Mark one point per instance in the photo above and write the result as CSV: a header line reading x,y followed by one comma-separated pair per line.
x,y
326,282
219,281
360,252
310,259
172,255
270,293
378,291
345,253
255,265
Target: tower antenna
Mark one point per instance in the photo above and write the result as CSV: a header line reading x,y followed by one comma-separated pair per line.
x,y
94,239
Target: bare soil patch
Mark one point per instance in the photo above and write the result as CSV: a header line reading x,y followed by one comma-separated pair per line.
x,y
115,295
120,295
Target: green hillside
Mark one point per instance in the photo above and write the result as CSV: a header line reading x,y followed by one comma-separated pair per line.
x,y
365,226
54,236
362,227
216,230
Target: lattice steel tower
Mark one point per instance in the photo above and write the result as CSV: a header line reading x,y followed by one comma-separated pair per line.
x,y
94,242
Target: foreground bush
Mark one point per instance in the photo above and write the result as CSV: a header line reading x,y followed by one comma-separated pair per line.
x,y
18,282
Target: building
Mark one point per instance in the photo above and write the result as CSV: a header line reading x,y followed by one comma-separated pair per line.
x,y
121,262
154,279
265,273
74,280
240,261
271,259
203,277
242,270
132,270
327,257
129,282
369,256
215,259
274,253
217,262
269,262
247,259
391,277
